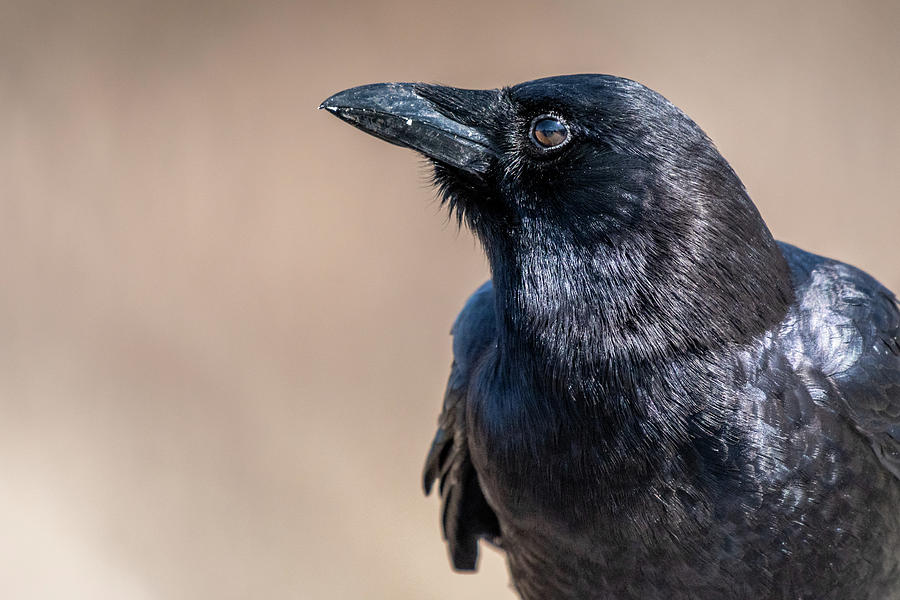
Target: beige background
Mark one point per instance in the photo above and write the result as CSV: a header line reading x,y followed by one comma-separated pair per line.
x,y
224,314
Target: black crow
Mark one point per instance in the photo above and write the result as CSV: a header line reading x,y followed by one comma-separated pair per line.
x,y
651,398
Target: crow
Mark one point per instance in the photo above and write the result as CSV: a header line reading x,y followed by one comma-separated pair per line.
x,y
651,398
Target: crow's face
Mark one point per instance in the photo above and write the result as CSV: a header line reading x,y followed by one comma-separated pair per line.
x,y
587,158
590,189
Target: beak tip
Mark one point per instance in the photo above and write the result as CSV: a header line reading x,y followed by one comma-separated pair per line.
x,y
333,102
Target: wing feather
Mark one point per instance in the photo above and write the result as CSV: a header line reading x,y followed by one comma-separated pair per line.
x,y
853,330
466,516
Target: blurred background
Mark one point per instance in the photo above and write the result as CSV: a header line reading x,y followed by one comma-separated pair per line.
x,y
224,314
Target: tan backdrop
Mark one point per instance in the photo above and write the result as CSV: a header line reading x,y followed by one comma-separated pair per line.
x,y
224,314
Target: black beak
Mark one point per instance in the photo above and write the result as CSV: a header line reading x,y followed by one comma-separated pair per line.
x,y
396,113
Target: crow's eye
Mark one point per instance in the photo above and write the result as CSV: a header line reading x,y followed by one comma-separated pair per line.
x,y
549,132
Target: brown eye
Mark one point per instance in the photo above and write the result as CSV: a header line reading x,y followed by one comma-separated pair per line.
x,y
548,132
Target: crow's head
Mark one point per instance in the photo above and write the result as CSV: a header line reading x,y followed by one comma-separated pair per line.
x,y
602,207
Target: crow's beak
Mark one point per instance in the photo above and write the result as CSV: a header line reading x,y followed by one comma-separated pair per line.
x,y
396,113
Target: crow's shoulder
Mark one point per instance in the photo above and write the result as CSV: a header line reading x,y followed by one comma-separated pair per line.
x,y
847,326
473,330
466,516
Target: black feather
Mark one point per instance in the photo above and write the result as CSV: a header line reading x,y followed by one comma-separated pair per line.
x,y
651,398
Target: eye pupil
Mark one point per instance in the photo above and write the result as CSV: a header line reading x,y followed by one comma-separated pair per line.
x,y
549,132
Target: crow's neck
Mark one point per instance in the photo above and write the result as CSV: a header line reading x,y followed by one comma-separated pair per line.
x,y
581,318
